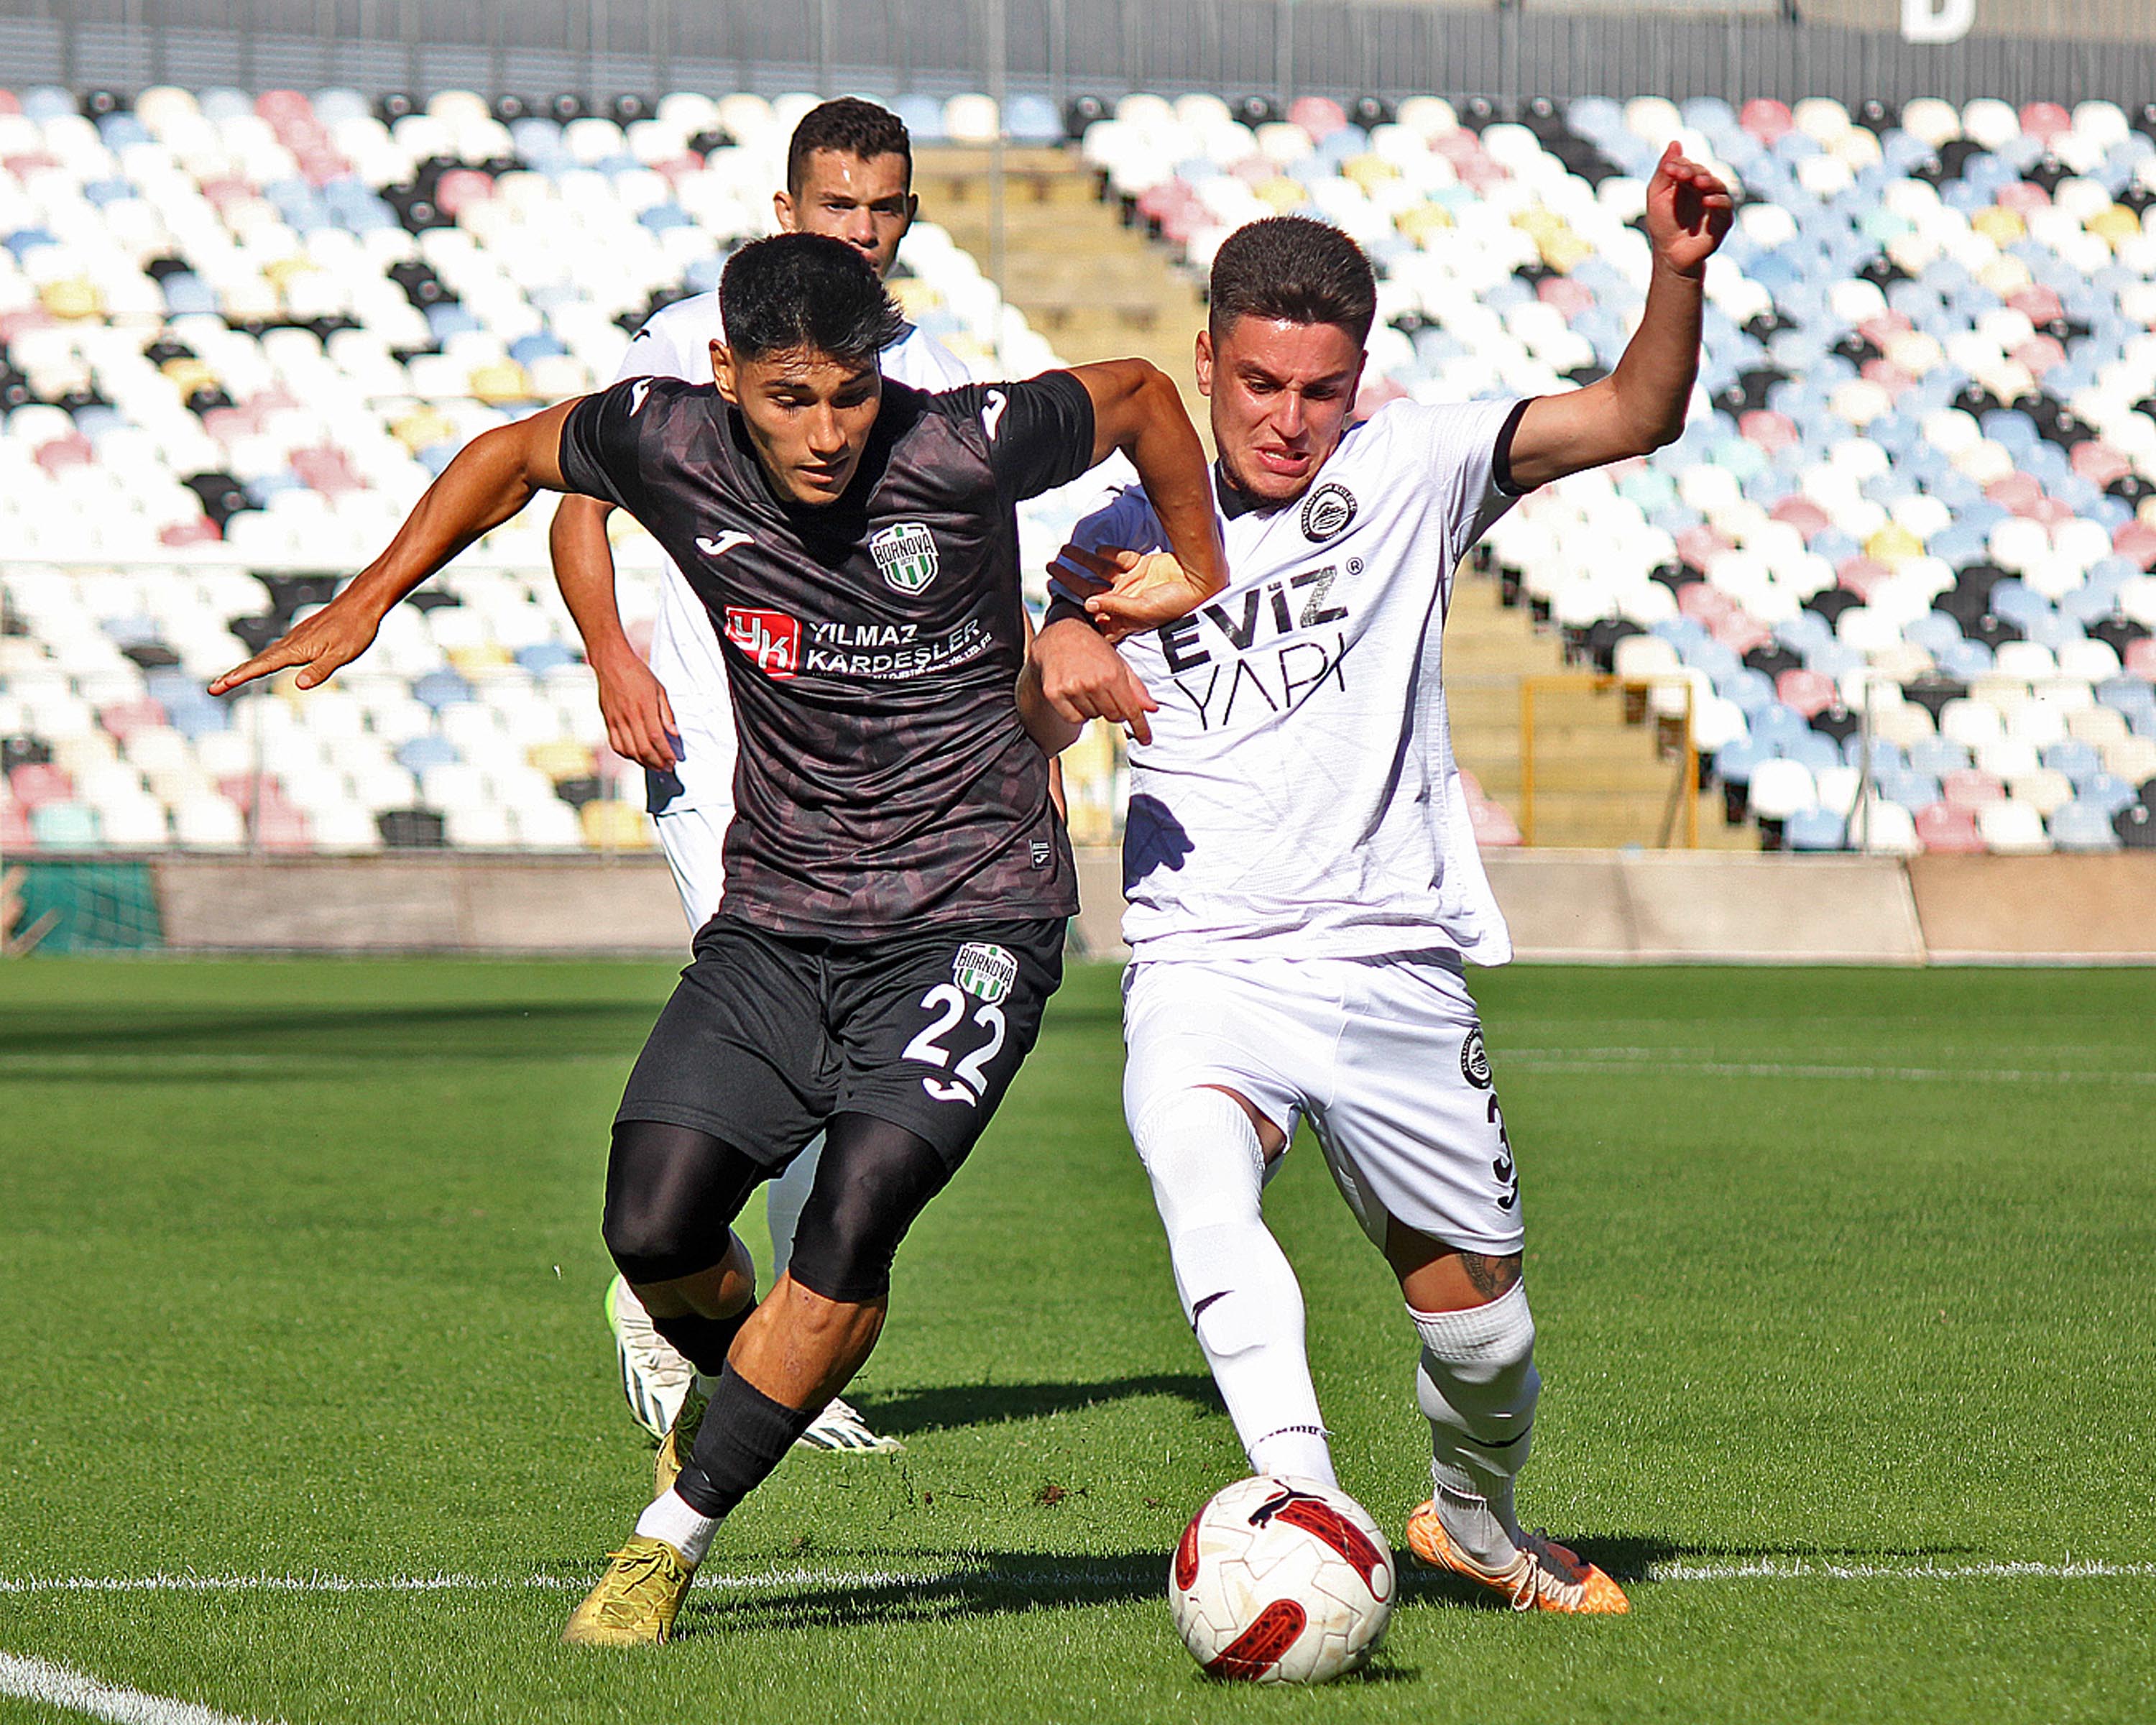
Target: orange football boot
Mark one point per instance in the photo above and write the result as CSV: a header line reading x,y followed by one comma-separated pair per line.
x,y
1545,1577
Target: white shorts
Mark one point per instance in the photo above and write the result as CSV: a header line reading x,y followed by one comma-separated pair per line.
x,y
694,842
1383,1056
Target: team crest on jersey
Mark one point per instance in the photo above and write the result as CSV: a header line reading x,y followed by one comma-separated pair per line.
x,y
984,971
1475,1059
770,639
905,554
1328,512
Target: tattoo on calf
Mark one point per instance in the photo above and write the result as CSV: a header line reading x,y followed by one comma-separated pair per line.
x,y
1492,1276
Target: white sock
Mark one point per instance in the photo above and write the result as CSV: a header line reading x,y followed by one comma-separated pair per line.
x,y
1477,1385
783,1199
671,1518
1242,1299
1295,1455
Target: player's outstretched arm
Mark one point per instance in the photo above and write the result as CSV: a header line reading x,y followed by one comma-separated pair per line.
x,y
1640,406
491,478
639,720
1138,410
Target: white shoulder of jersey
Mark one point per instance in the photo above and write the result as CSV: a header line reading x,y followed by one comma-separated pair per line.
x,y
675,341
919,361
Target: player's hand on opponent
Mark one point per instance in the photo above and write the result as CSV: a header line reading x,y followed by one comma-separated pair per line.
x,y
1084,678
640,720
1127,590
1689,210
332,638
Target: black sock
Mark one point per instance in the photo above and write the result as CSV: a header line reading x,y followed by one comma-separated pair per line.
x,y
745,1435
703,1341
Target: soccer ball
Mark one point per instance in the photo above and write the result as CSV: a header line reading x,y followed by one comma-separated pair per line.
x,y
1275,1583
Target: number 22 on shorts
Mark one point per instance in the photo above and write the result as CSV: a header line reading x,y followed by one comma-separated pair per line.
x,y
968,1083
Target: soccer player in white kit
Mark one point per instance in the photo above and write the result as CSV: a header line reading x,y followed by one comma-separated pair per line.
x,y
1304,889
849,174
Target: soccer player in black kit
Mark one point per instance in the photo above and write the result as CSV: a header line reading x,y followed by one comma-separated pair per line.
x,y
896,880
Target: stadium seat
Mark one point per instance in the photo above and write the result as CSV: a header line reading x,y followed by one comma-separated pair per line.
x,y
2011,828
2081,827
1942,828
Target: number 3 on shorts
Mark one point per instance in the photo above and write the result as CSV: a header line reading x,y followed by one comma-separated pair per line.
x,y
946,1007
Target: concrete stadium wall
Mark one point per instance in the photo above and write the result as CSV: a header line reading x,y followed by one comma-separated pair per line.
x,y
444,904
1582,907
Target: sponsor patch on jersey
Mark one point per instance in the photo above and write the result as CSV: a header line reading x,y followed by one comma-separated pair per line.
x,y
984,971
1040,854
770,639
907,555
1475,1059
1328,512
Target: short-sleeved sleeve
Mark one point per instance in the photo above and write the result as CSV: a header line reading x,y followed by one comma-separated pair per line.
x,y
1040,433
600,444
921,361
1465,451
673,342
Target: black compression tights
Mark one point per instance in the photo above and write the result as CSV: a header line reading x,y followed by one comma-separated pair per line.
x,y
673,1193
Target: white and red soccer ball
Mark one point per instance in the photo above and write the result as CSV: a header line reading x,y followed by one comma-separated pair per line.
x,y
1275,1582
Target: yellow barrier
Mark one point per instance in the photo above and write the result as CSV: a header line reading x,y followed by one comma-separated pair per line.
x,y
1683,790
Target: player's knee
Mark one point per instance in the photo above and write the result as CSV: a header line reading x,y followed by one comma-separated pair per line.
x,y
648,1245
850,1266
1203,1156
672,1193
1477,1371
875,1179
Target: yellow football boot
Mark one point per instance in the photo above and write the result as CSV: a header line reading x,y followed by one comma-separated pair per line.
x,y
679,1440
636,1600
1544,1577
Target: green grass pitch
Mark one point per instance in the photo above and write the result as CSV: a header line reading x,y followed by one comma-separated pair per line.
x,y
1848,1330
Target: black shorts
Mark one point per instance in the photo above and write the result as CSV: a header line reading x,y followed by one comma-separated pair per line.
x,y
768,1035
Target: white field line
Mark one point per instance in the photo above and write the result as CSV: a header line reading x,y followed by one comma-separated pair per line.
x,y
1046,1575
74,1691
1653,1062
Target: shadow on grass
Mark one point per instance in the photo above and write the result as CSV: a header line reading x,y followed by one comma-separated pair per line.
x,y
958,1404
977,1585
929,1587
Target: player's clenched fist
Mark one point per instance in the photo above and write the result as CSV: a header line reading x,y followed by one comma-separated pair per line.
x,y
333,637
1689,210
1082,677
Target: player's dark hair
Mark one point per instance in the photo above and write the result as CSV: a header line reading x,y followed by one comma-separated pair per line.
x,y
1292,269
852,127
806,290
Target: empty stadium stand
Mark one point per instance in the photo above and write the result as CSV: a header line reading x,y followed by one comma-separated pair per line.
x,y
1892,586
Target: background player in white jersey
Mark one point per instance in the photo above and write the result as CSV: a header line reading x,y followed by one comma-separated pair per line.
x,y
849,174
1303,882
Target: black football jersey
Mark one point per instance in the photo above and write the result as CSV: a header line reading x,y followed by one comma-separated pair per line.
x,y
872,646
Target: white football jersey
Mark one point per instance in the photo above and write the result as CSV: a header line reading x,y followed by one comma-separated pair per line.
x,y
675,341
1299,797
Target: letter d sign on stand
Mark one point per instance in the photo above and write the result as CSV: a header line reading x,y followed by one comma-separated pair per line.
x,y
1936,20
